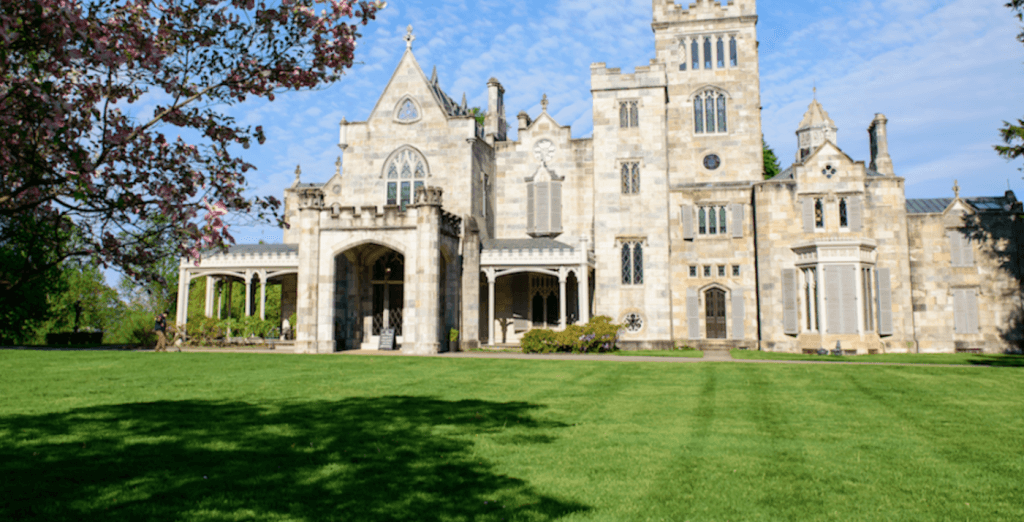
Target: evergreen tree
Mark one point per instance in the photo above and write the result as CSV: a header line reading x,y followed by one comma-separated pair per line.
x,y
1013,134
771,161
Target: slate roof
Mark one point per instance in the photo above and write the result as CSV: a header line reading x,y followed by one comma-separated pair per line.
x,y
816,115
540,243
447,103
939,205
263,249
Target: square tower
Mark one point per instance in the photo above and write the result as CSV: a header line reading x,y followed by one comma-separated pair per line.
x,y
709,50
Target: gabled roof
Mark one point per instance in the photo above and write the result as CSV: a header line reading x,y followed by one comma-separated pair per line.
x,y
447,102
539,243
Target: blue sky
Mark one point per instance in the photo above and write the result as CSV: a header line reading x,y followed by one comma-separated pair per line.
x,y
945,72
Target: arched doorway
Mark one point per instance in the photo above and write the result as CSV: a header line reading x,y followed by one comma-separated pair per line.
x,y
714,313
369,296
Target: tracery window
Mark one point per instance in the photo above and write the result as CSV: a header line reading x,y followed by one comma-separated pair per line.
x,y
629,115
631,177
406,172
632,263
710,113
633,322
408,111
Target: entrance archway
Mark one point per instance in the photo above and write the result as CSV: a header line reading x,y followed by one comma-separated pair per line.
x,y
369,296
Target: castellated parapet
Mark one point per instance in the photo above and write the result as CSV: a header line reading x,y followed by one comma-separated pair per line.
x,y
668,11
603,78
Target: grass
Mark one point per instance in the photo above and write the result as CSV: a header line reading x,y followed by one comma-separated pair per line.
x,y
903,358
694,354
215,437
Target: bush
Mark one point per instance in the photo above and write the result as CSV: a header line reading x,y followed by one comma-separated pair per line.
x,y
598,335
203,331
134,327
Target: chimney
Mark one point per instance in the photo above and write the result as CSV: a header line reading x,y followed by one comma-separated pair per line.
x,y
343,134
494,125
524,121
880,160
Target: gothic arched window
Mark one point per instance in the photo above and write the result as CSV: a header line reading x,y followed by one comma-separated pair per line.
x,y
695,54
819,214
710,114
406,171
407,111
721,54
732,52
707,53
843,220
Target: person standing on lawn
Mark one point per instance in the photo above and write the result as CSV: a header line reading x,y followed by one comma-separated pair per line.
x,y
161,332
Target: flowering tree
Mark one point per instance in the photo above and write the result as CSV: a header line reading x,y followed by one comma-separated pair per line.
x,y
1013,134
75,159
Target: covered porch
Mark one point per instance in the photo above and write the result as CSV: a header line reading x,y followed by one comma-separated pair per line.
x,y
533,283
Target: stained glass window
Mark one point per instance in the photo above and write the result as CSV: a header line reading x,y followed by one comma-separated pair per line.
x,y
392,193
406,196
698,115
632,263
393,171
721,113
638,263
712,220
421,171
627,264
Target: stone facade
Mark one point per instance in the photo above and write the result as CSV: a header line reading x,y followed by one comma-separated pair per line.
x,y
661,220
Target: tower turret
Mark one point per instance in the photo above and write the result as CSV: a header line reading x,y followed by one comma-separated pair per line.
x,y
815,129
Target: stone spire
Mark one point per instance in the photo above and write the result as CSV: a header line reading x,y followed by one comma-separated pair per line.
x,y
815,129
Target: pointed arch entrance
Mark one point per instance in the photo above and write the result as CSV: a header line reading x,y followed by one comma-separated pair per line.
x,y
369,296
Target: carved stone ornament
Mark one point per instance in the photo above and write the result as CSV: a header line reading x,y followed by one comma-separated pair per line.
x,y
544,151
311,198
430,196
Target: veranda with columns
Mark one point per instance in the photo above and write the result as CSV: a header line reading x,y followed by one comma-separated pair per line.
x,y
248,264
533,260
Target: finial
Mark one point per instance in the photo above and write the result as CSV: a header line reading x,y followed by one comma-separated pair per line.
x,y
815,91
298,172
956,189
433,76
544,103
465,106
409,38
337,167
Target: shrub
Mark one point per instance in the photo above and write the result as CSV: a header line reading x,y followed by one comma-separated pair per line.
x,y
203,331
598,335
540,341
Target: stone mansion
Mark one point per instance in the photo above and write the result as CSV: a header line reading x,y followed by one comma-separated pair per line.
x,y
662,220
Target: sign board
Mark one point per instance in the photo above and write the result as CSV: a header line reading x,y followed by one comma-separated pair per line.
x,y
387,340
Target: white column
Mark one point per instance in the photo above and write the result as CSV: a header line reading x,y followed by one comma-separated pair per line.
x,y
263,295
562,276
182,314
490,307
248,294
211,289
584,286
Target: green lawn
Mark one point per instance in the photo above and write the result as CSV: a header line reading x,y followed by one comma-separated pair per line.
x,y
693,354
913,358
217,437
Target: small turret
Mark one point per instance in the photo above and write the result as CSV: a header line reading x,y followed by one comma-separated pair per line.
x,y
815,129
495,127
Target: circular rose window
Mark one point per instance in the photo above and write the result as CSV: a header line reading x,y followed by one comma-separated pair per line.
x,y
712,161
633,322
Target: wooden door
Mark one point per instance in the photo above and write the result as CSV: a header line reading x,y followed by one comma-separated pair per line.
x,y
714,308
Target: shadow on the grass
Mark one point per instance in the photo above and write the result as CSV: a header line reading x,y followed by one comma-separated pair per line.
x,y
388,458
1010,361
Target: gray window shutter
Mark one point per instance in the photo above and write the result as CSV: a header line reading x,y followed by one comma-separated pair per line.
x,y
556,207
737,221
955,248
856,216
693,313
959,312
531,225
738,315
687,217
849,283
971,309
790,316
966,250
808,215
542,200
833,300
884,294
